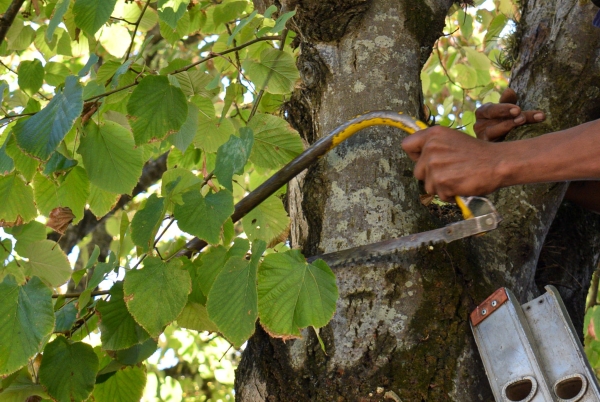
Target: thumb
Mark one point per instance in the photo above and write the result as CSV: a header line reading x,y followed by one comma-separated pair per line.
x,y
508,96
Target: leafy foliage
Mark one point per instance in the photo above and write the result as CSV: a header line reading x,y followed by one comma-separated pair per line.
x,y
96,96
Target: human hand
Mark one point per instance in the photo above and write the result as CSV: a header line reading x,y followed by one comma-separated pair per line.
x,y
495,120
453,163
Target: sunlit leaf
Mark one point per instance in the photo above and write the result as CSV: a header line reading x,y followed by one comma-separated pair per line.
x,y
107,149
267,221
156,294
47,261
16,199
275,142
194,316
170,11
293,294
212,133
275,72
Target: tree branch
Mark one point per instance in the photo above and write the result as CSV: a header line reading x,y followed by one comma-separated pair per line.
x,y
233,49
75,295
152,172
9,16
135,28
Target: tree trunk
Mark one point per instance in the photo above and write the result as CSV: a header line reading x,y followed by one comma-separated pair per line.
x,y
401,327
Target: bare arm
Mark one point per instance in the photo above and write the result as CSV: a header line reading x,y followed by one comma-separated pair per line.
x,y
452,163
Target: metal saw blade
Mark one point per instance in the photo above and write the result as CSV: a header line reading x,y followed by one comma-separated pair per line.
x,y
447,234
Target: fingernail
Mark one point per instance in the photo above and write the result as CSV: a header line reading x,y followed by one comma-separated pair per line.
x,y
515,111
520,120
539,116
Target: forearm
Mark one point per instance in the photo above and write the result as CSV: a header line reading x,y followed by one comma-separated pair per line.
x,y
572,154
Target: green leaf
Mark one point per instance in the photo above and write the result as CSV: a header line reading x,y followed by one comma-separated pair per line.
x,y
68,370
126,385
174,35
196,295
156,294
98,275
138,353
213,260
275,142
58,163
31,76
90,15
101,201
228,11
40,135
464,75
46,47
275,72
184,137
27,234
293,294
25,164
118,329
194,316
495,28
194,82
233,302
240,26
74,192
146,222
478,60
465,21
281,21
110,157
7,164
212,133
47,261
156,109
21,388
65,318
16,199
60,9
26,319
267,221
175,182
170,11
232,157
204,216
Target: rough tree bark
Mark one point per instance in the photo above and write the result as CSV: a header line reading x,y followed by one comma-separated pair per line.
x,y
402,326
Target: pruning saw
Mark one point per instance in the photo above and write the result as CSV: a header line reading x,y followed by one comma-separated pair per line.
x,y
479,214
485,218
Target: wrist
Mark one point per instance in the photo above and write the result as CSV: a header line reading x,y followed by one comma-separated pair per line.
x,y
509,166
